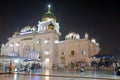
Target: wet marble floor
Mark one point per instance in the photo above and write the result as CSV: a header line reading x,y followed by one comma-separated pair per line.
x,y
61,75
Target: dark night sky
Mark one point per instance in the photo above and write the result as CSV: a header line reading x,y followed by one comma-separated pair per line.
x,y
101,20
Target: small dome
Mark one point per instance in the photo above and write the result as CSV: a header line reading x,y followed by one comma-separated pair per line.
x,y
86,35
28,26
72,35
51,26
16,33
48,15
26,29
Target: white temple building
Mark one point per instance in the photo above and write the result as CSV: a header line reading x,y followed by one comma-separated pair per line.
x,y
42,42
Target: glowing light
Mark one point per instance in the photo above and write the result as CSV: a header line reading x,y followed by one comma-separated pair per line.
x,y
49,6
11,45
3,45
47,60
86,35
56,41
46,77
17,44
6,44
47,41
93,40
15,76
16,61
47,52
47,72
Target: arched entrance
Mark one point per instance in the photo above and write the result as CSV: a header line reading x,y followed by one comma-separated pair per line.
x,y
47,62
33,57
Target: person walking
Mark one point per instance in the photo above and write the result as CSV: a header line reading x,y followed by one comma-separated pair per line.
x,y
28,67
10,68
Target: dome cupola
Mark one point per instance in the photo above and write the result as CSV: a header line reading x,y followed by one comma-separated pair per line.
x,y
72,35
49,15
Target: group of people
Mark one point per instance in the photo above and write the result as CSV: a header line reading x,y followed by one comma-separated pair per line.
x,y
9,67
80,65
31,67
12,67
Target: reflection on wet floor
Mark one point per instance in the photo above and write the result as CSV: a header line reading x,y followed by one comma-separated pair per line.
x,y
61,75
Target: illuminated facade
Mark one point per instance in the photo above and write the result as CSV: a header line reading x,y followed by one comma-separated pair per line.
x,y
42,42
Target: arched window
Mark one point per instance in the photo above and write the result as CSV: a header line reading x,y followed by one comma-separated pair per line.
x,y
47,41
39,41
72,53
26,49
83,52
62,53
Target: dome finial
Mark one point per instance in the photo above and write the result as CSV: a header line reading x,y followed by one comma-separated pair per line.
x,y
48,15
49,6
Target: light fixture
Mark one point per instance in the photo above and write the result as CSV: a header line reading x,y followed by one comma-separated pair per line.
x,y
47,52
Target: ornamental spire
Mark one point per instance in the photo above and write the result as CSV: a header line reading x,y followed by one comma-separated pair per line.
x,y
49,6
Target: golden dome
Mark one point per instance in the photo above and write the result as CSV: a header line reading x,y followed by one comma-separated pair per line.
x,y
16,33
72,33
51,26
48,15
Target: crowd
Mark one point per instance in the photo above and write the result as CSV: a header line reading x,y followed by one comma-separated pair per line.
x,y
94,65
12,67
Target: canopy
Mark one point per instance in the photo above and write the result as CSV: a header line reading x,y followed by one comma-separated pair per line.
x,y
12,53
33,54
27,60
102,56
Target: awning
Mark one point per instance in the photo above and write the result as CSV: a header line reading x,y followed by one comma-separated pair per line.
x,y
33,54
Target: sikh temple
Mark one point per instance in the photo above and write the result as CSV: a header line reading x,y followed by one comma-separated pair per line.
x,y
42,43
